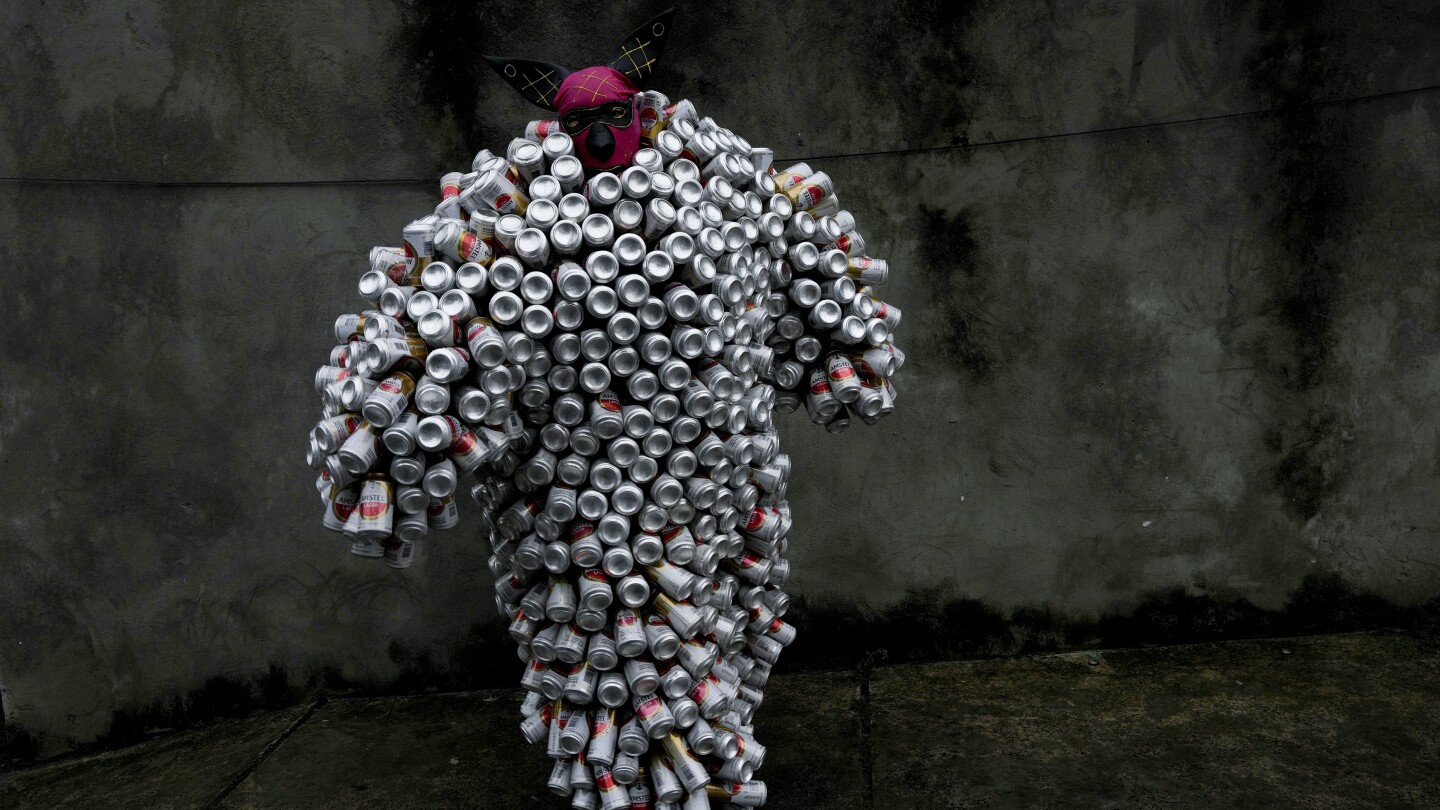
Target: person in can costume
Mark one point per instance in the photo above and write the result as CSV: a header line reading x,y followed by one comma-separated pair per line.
x,y
603,370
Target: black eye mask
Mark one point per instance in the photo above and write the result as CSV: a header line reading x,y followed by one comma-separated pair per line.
x,y
615,114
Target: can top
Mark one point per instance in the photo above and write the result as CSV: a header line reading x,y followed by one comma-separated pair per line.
x,y
526,152
544,187
567,167
510,224
662,185
566,236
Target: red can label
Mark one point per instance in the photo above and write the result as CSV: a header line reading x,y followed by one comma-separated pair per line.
x,y
464,443
809,196
699,691
343,508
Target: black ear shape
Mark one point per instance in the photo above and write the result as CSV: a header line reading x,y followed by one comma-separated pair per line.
x,y
637,55
538,82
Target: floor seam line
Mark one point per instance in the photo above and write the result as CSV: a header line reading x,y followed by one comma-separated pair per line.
x,y
264,754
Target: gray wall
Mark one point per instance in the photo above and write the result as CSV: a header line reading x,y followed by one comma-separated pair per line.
x,y
1143,357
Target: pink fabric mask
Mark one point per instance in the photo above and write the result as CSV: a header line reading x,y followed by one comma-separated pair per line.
x,y
596,106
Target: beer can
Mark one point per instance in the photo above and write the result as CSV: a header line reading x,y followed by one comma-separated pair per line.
x,y
867,270
842,377
487,346
359,452
339,504
500,193
569,172
579,689
443,513
545,187
689,770
447,364
399,435
630,638
440,479
650,708
808,192
527,157
632,590
389,400
330,433
603,190
667,785
392,263
574,731
543,214
537,131
790,177
556,145
419,246
532,247
635,183
418,303
375,508
740,794
640,795
460,244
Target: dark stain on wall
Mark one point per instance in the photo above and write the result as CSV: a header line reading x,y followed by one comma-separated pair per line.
x,y
447,69
484,659
915,49
933,624
1311,469
218,698
1308,154
1309,158
949,257
928,624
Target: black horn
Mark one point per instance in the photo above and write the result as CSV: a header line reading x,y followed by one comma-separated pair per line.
x,y
637,55
538,82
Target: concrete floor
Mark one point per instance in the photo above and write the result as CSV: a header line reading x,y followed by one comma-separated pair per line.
x,y
1321,721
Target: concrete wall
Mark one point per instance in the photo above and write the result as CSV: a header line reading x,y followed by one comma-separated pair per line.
x,y
1196,358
